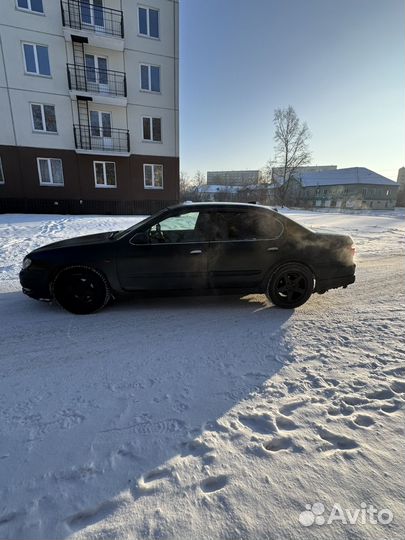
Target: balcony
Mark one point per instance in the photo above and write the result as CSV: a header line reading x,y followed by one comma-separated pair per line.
x,y
105,85
101,140
98,23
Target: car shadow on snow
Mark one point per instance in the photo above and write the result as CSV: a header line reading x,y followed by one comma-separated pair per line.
x,y
116,395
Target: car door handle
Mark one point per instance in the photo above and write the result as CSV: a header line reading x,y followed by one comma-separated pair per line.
x,y
272,249
196,252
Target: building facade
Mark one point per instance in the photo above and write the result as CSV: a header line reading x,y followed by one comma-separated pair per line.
x,y
233,178
354,188
89,105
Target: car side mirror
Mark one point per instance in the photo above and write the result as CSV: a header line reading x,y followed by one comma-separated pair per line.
x,y
141,238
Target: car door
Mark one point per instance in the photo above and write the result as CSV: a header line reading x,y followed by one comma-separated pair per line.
x,y
244,246
170,254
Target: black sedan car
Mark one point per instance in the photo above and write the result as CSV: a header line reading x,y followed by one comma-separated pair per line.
x,y
199,247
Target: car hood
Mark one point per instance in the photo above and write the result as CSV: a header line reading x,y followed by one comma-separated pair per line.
x,y
89,239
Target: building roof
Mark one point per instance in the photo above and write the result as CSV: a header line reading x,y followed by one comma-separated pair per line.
x,y
351,175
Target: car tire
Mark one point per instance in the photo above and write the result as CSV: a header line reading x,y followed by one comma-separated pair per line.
x,y
290,286
81,290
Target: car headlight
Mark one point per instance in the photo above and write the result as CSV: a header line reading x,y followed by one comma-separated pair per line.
x,y
26,263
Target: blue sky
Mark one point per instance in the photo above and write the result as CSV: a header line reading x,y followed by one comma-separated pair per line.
x,y
339,63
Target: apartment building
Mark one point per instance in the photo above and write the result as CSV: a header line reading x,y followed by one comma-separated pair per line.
x,y
88,105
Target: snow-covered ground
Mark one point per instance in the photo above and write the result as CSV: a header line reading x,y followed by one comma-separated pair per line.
x,y
204,418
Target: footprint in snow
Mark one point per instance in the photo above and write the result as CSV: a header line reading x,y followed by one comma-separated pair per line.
x,y
214,483
94,515
354,400
260,423
390,408
339,442
278,443
364,420
285,423
288,408
398,386
156,474
381,394
149,483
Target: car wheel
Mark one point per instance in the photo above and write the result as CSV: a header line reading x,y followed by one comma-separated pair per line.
x,y
81,290
290,285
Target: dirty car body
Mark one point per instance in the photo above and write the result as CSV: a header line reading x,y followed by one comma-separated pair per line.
x,y
199,247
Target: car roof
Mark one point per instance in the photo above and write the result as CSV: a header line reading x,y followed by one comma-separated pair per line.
x,y
218,205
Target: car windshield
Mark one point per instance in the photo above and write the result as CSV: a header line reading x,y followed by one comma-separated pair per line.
x,y
120,234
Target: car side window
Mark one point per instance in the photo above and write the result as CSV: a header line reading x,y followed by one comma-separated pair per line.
x,y
182,228
247,225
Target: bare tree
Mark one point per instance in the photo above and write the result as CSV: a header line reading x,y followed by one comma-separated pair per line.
x,y
291,147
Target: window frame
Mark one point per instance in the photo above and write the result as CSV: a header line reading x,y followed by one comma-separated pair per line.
x,y
100,126
153,165
29,9
148,10
43,105
36,73
52,183
105,185
2,177
151,118
149,89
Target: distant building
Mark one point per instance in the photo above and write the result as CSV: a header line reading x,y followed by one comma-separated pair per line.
x,y
401,191
233,178
354,188
401,177
278,171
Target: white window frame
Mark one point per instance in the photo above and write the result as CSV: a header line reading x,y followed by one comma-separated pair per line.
x,y
147,35
29,8
92,23
2,178
100,123
153,165
149,89
51,183
35,73
151,118
96,68
105,185
42,105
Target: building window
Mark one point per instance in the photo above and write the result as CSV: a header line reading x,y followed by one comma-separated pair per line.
x,y
104,174
152,129
153,176
2,180
150,78
96,72
31,5
50,172
36,59
148,22
100,124
43,118
91,12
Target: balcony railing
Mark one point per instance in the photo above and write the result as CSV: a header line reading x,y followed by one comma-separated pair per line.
x,y
97,81
83,15
101,139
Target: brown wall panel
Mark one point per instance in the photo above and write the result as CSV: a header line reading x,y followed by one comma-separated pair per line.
x,y
23,191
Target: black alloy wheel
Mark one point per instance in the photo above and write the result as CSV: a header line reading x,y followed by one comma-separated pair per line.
x,y
290,286
81,290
